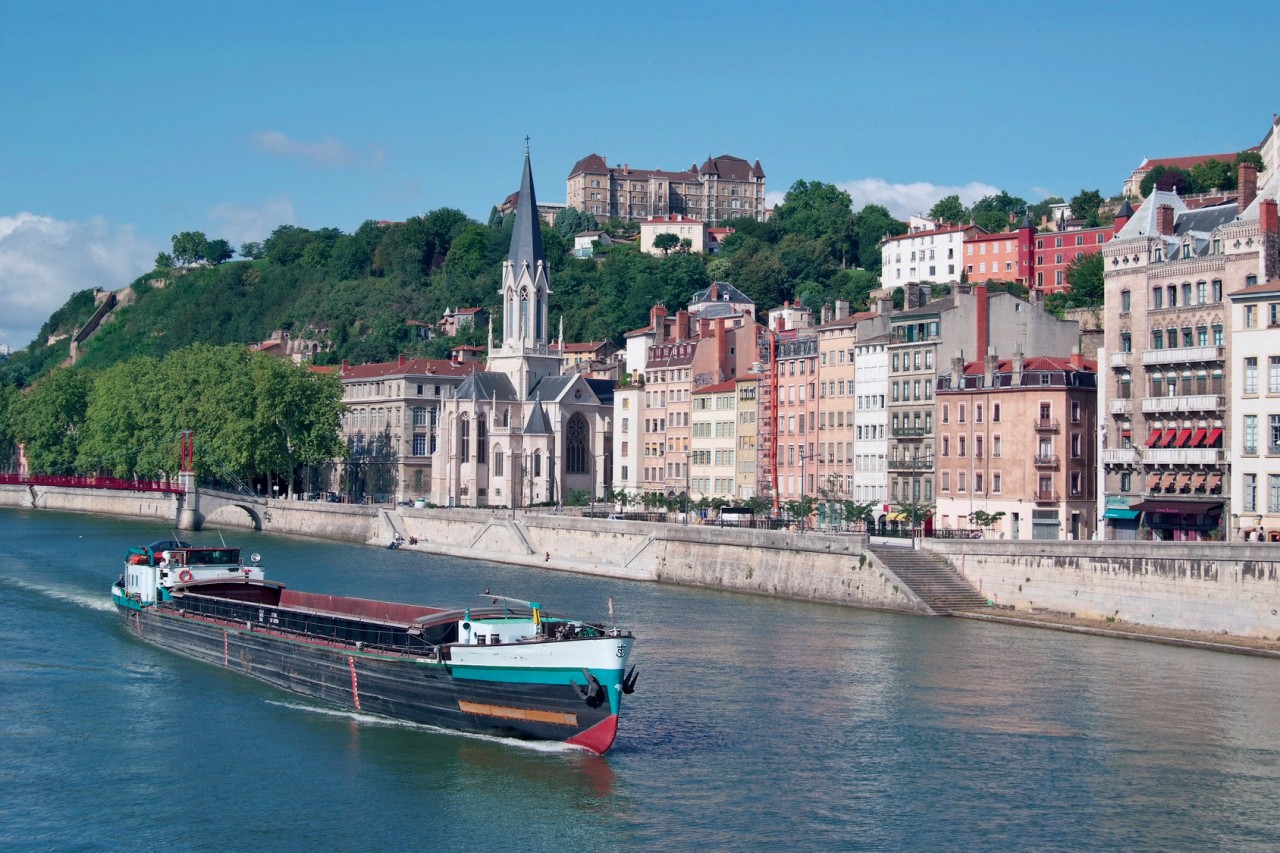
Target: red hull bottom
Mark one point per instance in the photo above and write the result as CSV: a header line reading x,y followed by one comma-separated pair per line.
x,y
599,737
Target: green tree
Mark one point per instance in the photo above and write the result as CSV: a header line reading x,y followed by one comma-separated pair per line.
x,y
949,210
164,262
252,251
813,210
1165,178
985,520
119,423
9,397
872,224
995,213
1084,205
189,247
800,510
1213,174
217,251
1084,275
48,421
571,221
665,243
1043,208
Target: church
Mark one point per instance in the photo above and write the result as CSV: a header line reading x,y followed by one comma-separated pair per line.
x,y
519,432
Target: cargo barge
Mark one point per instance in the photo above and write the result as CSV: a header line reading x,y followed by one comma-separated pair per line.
x,y
506,669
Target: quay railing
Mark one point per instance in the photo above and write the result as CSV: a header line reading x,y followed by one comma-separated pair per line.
x,y
90,483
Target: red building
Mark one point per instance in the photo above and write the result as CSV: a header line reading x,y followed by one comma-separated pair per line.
x,y
1005,256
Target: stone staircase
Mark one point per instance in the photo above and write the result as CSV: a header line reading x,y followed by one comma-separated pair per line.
x,y
931,577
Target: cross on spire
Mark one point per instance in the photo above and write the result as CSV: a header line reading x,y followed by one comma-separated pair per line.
x,y
526,143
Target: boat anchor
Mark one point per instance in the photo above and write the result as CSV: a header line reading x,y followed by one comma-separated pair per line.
x,y
629,681
593,693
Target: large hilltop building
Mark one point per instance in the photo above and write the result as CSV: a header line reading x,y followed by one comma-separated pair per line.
x,y
520,432
724,187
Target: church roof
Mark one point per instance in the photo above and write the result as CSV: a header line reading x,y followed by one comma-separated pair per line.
x,y
603,389
551,387
526,237
487,385
537,423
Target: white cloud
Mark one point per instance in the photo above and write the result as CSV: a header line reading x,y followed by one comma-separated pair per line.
x,y
902,200
328,152
238,223
44,260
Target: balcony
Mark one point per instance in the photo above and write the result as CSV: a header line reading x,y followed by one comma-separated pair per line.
x,y
514,429
1122,407
1193,403
910,464
1121,359
1183,456
1120,456
1047,461
1046,497
1047,425
911,432
1182,355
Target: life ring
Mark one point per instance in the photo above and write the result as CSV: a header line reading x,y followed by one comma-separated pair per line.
x,y
185,576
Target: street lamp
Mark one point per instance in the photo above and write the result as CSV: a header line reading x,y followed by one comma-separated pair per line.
x,y
687,454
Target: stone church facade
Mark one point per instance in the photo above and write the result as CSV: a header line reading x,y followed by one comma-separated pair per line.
x,y
519,432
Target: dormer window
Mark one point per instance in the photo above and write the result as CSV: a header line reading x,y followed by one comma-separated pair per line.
x,y
1186,250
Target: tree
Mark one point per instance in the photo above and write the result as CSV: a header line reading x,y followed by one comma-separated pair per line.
x,y
801,509
571,221
864,513
985,520
871,225
9,397
164,261
994,213
1165,178
217,251
1043,208
813,210
189,247
949,210
1213,174
48,421
1084,275
252,251
1085,206
665,243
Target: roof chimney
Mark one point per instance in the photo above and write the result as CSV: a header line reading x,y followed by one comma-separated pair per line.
x,y
1164,220
400,360
346,365
842,308
1247,182
682,324
1267,221
1077,359
984,320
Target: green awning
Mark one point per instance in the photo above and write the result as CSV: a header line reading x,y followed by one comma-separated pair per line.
x,y
1116,512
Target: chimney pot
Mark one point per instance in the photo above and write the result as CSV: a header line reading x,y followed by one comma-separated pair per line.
x,y
1164,220
1267,217
1247,182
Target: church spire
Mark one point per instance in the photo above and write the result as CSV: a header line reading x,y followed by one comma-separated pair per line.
x,y
526,238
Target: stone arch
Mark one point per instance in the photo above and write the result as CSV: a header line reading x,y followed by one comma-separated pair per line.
x,y
232,515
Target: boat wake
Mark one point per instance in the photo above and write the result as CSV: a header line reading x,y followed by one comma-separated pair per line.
x,y
80,599
387,722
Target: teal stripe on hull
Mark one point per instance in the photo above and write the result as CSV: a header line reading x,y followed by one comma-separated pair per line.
x,y
559,675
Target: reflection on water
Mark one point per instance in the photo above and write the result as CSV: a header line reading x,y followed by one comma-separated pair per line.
x,y
757,723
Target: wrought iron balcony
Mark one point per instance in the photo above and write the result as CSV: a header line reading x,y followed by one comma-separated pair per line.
x,y
910,464
912,432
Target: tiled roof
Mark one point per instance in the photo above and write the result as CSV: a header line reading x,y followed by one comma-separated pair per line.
x,y
592,163
487,385
1269,287
851,320
946,229
411,366
587,346
1032,364
718,388
1186,162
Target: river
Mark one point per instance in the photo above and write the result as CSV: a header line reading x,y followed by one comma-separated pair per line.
x,y
757,724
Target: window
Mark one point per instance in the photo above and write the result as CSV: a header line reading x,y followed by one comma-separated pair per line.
x,y
995,413
1075,411
1157,297
1273,447
1251,375
1075,483
1250,492
1157,339
1250,316
464,432
1250,435
1124,302
961,420
1273,493
1273,370
977,413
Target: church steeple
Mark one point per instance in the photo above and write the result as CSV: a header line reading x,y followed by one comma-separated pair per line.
x,y
526,237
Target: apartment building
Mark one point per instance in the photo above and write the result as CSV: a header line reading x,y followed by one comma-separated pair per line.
x,y
391,424
1054,251
1255,422
713,442
1015,436
871,422
724,187
1005,256
928,252
1169,424
747,470
923,338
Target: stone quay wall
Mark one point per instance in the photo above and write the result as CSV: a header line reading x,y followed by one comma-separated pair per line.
x,y
158,505
1196,586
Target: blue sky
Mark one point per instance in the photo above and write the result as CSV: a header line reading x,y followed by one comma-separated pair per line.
x,y
126,123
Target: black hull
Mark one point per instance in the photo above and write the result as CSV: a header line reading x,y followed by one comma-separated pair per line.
x,y
400,687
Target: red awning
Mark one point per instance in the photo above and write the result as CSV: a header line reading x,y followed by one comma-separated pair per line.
x,y
1152,479
1183,479
1198,480
1197,437
1212,437
1167,480
1183,435
1153,437
1167,437
1168,505
1214,480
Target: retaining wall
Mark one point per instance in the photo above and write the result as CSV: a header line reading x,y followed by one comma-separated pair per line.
x,y
160,505
1202,586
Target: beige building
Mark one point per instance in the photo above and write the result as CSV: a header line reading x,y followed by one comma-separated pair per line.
x,y
713,441
748,437
1255,423
390,425
680,226
1015,436
723,187
1168,435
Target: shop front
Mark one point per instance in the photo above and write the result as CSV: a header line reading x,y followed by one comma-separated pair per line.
x,y
1181,521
